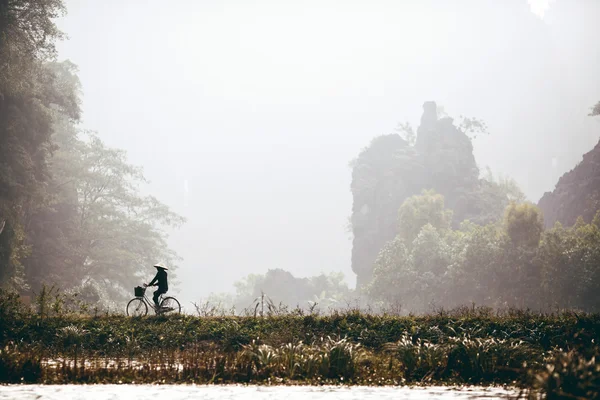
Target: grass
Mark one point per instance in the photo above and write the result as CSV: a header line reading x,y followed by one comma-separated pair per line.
x,y
551,353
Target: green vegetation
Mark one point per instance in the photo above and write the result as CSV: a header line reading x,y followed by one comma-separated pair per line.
x,y
279,289
428,230
468,240
394,167
71,211
463,346
511,263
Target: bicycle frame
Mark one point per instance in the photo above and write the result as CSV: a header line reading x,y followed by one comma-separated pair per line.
x,y
151,302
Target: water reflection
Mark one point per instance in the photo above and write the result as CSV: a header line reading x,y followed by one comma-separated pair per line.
x,y
238,392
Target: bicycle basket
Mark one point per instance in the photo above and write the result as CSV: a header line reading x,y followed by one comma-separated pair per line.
x,y
139,291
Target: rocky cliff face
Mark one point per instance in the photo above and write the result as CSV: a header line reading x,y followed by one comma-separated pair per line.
x,y
385,174
577,193
391,170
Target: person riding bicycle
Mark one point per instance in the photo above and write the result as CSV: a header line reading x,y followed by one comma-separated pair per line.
x,y
159,280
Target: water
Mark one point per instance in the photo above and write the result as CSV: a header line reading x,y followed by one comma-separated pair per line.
x,y
238,392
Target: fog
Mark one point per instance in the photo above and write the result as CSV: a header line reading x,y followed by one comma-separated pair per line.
x,y
245,115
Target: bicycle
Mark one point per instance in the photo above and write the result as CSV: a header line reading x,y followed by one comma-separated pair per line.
x,y
138,306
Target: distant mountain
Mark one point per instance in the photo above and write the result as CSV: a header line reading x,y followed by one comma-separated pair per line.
x,y
577,193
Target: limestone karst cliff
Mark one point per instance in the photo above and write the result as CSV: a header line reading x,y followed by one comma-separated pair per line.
x,y
577,193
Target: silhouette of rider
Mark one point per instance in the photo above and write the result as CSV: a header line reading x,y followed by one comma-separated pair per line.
x,y
159,280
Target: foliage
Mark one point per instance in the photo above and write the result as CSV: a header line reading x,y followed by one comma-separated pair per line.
x,y
513,263
71,211
30,93
407,132
570,375
524,224
569,258
19,364
277,291
438,156
51,301
12,312
113,233
28,36
473,359
473,126
418,211
92,227
469,345
507,186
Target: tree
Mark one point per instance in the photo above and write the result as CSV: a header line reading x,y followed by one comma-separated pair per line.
x,y
497,264
477,255
26,125
509,263
29,95
506,185
524,224
391,273
418,211
410,269
473,126
27,39
91,226
280,287
561,267
111,233
407,132
586,259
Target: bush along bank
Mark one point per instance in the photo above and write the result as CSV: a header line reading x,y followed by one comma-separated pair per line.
x,y
547,352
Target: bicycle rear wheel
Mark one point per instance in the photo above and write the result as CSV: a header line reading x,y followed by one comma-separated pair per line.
x,y
137,307
170,305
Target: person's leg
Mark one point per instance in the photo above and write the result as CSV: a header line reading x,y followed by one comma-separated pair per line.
x,y
155,297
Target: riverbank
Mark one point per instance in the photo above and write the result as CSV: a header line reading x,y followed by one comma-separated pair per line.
x,y
467,346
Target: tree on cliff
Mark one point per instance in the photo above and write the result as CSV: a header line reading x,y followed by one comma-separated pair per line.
x,y
595,110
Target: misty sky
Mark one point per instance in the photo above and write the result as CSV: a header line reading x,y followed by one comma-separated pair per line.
x,y
245,114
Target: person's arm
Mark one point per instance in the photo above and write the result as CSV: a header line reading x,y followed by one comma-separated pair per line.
x,y
155,280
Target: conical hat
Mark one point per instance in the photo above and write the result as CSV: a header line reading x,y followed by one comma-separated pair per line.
x,y
161,265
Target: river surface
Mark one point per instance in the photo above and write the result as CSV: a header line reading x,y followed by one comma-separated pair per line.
x,y
238,392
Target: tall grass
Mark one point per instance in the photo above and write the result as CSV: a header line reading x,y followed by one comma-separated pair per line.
x,y
569,375
470,345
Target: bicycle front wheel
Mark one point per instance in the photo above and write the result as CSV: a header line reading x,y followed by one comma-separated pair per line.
x,y
137,308
170,305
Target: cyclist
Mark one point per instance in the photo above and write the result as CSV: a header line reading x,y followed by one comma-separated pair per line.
x,y
159,280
